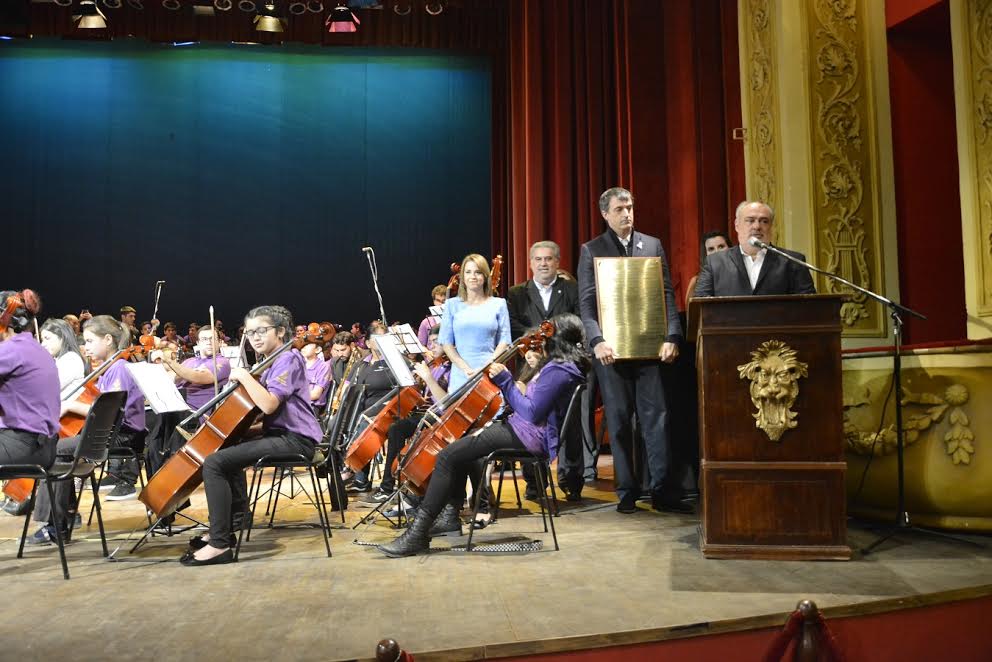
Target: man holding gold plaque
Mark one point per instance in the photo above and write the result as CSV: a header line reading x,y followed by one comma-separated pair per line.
x,y
628,309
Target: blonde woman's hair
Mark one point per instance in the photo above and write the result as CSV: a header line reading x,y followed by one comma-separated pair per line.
x,y
483,265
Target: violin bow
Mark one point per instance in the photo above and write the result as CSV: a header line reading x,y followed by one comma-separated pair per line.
x,y
158,293
216,348
37,331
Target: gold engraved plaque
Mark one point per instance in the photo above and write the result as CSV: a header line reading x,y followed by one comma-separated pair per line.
x,y
630,292
774,373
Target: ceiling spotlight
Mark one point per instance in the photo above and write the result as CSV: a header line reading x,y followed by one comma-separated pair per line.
x,y
315,6
434,8
172,5
268,21
247,6
90,17
63,3
112,4
136,4
204,8
342,19
402,8
297,8
223,5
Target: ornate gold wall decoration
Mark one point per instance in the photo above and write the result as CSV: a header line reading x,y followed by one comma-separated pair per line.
x,y
774,372
761,106
980,34
959,440
848,221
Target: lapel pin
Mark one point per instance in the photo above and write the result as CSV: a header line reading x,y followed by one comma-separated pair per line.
x,y
640,244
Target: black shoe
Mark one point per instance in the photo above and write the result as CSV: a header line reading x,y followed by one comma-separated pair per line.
x,y
573,497
672,505
413,541
359,487
197,542
377,497
122,492
447,523
532,493
227,556
627,505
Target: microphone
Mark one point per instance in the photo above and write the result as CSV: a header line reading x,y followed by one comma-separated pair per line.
x,y
757,243
366,249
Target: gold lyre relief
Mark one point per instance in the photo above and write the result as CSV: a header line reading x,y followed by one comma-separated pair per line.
x,y
774,373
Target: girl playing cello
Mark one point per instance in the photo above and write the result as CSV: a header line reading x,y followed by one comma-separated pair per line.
x,y
288,423
533,427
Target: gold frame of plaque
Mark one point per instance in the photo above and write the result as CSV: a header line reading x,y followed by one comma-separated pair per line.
x,y
630,297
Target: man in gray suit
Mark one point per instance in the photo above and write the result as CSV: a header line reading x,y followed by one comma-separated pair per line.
x,y
744,269
630,387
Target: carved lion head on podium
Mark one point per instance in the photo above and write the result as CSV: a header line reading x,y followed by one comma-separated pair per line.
x,y
774,372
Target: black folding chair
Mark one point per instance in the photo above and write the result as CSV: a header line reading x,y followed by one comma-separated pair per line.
x,y
102,423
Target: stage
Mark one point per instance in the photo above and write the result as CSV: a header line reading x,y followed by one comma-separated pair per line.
x,y
618,578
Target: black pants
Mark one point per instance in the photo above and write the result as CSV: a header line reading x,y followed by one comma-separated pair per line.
x,y
19,447
631,387
396,436
224,478
459,460
125,471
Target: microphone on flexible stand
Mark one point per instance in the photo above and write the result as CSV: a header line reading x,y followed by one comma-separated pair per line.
x,y
757,243
370,255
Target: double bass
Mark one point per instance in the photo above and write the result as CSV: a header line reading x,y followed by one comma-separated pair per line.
x,y
467,409
182,473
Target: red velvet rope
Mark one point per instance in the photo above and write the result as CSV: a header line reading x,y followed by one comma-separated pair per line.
x,y
784,638
788,633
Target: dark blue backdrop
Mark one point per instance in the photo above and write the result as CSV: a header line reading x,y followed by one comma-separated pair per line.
x,y
240,175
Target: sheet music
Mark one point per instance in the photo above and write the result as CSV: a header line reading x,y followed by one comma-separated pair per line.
x,y
232,354
388,346
406,339
436,311
159,388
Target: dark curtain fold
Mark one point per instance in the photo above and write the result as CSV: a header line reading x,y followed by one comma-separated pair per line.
x,y
597,93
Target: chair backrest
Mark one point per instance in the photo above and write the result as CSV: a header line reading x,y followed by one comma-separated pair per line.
x,y
350,415
339,423
102,423
572,414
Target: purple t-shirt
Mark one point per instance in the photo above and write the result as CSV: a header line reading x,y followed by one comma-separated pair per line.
x,y
319,374
286,379
118,378
424,331
198,395
29,386
537,415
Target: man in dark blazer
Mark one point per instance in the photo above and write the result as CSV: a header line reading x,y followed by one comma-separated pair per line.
x,y
630,387
530,303
744,269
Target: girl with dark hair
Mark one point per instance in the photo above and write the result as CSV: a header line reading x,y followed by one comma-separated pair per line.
x,y
289,426
29,386
103,336
533,426
711,242
59,339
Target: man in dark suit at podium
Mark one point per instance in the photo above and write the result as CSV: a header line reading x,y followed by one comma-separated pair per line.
x,y
744,269
530,303
630,387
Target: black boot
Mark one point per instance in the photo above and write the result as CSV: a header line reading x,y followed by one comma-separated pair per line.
x,y
413,541
447,523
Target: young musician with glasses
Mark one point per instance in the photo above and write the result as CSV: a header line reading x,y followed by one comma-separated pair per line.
x,y
289,426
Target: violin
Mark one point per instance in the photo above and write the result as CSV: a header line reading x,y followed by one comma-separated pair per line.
x,y
469,408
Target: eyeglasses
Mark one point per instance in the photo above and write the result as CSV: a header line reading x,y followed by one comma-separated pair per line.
x,y
259,332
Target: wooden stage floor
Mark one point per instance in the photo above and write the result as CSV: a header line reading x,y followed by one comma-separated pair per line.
x,y
286,600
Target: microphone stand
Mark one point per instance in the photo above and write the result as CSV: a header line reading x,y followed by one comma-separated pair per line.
x,y
896,312
370,256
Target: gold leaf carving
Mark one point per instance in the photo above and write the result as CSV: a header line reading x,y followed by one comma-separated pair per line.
x,y
762,143
980,20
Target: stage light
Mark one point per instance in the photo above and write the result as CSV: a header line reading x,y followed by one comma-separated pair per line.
x,y
315,6
297,8
268,21
223,5
342,19
113,4
63,3
172,5
434,8
90,17
136,4
247,6
402,8
203,8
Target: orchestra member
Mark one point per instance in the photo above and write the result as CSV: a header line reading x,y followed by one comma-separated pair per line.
x,y
170,338
128,317
533,426
318,374
438,296
289,426
29,386
58,338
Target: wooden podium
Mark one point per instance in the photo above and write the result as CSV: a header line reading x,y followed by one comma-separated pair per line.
x,y
762,497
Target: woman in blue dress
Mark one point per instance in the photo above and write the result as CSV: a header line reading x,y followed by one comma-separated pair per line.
x,y
474,330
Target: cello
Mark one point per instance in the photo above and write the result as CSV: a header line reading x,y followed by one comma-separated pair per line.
x,y
467,409
182,473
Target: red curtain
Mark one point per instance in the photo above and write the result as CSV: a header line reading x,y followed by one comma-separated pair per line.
x,y
596,93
